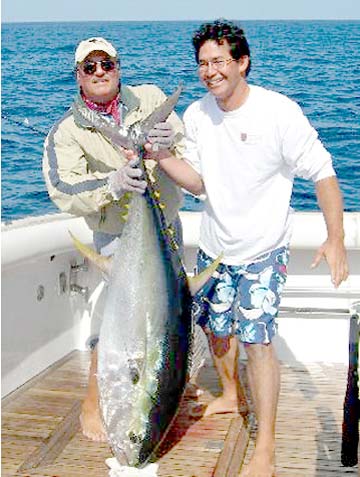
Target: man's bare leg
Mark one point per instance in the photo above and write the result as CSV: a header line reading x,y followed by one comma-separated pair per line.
x,y
90,417
264,379
225,353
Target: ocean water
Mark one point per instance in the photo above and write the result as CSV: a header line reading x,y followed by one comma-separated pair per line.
x,y
316,63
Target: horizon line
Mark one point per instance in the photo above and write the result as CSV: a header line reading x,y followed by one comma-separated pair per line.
x,y
3,22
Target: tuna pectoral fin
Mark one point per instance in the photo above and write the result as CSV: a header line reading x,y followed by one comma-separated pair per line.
x,y
198,281
103,263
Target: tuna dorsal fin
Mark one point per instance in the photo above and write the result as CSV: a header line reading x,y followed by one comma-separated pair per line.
x,y
103,263
198,281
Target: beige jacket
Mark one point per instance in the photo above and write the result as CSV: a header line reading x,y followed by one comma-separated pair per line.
x,y
77,161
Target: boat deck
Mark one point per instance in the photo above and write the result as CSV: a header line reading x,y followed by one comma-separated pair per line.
x,y
41,436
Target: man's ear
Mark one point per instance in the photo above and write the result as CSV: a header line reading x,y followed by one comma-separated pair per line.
x,y
243,64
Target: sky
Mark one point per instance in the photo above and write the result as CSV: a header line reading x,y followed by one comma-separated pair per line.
x,y
124,10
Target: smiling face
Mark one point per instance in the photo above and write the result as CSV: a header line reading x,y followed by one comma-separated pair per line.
x,y
226,82
101,86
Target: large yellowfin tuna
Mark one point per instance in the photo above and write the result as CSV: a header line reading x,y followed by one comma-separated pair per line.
x,y
146,334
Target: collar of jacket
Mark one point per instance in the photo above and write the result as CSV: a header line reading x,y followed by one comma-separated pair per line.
x,y
128,98
82,113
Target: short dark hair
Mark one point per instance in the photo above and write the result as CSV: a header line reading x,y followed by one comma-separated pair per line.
x,y
220,31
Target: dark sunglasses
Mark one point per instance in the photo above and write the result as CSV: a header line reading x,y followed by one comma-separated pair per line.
x,y
89,67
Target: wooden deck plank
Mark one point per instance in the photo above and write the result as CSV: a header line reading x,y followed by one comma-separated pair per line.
x,y
52,447
234,450
308,429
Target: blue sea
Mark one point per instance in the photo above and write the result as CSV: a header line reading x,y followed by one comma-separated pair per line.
x,y
316,63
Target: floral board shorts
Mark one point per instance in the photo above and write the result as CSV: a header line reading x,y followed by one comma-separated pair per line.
x,y
242,300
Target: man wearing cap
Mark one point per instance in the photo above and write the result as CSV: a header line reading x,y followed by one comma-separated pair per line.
x,y
87,176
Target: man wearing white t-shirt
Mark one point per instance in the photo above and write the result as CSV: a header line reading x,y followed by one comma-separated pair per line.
x,y
244,146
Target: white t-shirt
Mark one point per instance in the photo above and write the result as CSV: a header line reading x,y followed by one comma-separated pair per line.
x,y
248,159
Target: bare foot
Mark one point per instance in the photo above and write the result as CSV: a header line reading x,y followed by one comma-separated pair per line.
x,y
91,423
192,391
222,405
262,464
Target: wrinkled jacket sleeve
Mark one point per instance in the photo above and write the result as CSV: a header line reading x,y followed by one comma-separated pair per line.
x,y
71,185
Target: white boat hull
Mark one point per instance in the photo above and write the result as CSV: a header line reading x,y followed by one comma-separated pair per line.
x,y
44,317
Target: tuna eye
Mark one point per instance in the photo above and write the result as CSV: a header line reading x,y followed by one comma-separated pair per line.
x,y
135,376
134,372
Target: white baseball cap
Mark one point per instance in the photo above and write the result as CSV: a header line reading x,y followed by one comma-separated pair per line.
x,y
85,47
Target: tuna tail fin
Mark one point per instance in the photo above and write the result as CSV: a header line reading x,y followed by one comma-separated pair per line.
x,y
162,112
198,281
103,263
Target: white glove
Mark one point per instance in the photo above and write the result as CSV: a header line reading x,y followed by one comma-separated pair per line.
x,y
161,136
126,179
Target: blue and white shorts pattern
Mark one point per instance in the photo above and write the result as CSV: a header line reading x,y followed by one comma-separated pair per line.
x,y
242,300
